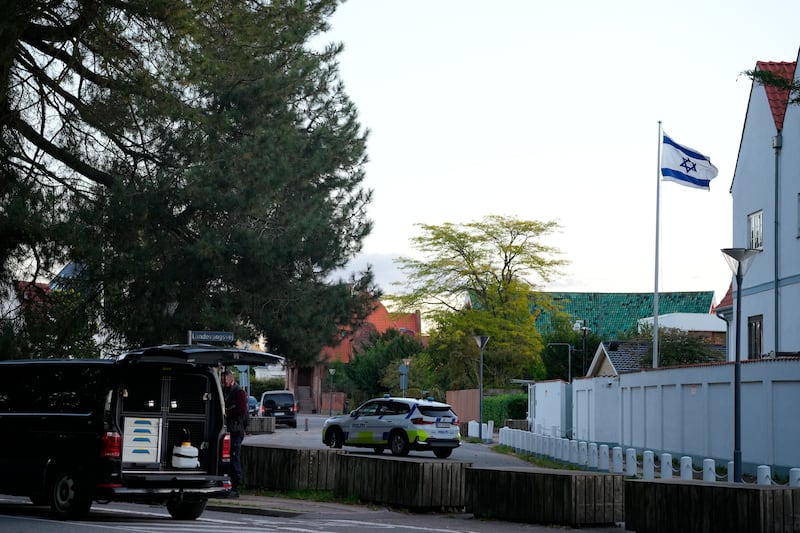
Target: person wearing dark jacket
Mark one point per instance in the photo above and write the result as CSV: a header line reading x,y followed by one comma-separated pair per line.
x,y
236,420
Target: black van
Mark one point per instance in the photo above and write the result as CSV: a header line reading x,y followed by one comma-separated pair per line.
x,y
145,427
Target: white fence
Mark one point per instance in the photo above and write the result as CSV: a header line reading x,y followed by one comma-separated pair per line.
x,y
681,411
591,456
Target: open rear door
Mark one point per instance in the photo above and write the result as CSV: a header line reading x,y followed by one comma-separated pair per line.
x,y
201,354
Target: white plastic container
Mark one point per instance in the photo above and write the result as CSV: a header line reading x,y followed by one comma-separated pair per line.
x,y
185,456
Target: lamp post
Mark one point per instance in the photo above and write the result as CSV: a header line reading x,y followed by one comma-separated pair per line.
x,y
332,371
569,357
739,259
580,325
404,375
481,340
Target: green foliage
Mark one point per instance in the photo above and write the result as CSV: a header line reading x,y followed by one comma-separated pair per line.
x,y
676,347
555,353
505,406
260,386
771,79
206,170
366,372
489,261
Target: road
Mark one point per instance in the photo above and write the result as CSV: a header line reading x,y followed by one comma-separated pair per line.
x,y
308,434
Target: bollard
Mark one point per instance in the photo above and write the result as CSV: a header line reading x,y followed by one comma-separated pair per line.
x,y
593,455
582,454
573,452
666,466
648,465
730,472
709,470
616,460
306,423
794,477
631,468
686,467
763,474
602,458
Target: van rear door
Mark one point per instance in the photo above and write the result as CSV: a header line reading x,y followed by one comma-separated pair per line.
x,y
202,354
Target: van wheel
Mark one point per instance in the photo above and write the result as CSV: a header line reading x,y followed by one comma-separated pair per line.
x,y
68,496
335,438
399,443
186,510
442,453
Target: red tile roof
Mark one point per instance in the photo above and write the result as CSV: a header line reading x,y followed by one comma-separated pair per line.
x,y
379,321
778,98
727,300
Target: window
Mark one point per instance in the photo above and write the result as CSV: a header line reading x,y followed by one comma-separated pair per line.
x,y
754,222
755,326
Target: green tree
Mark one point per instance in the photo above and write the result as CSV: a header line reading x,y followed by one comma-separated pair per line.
x,y
555,355
205,167
366,371
676,347
495,263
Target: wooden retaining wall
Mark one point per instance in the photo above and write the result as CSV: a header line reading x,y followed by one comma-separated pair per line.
x,y
544,496
279,468
663,506
402,481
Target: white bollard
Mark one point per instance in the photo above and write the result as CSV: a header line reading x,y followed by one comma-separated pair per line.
x,y
631,468
686,467
794,477
573,452
666,466
648,465
488,435
602,458
564,450
592,452
472,428
616,460
730,472
709,470
763,475
582,454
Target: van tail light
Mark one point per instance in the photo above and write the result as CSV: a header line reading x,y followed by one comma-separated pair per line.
x,y
420,421
111,445
226,447
294,408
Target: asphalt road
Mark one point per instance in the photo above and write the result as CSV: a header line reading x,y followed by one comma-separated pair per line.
x,y
308,434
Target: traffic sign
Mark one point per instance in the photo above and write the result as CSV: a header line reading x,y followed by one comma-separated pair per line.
x,y
210,336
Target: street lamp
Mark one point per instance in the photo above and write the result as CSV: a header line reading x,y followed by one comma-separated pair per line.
x,y
332,371
580,325
739,259
481,340
569,356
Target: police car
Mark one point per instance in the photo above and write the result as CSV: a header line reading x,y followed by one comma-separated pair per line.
x,y
400,424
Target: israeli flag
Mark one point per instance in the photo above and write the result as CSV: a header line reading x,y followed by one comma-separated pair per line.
x,y
685,165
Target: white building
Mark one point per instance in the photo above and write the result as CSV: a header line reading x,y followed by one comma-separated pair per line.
x,y
766,216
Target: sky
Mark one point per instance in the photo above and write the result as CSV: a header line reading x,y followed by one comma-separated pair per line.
x,y
546,110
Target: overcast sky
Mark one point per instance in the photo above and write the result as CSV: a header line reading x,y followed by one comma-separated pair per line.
x,y
547,110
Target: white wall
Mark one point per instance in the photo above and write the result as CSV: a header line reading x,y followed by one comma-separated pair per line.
x,y
550,408
689,411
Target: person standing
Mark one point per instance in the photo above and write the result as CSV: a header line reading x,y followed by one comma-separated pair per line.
x,y
236,421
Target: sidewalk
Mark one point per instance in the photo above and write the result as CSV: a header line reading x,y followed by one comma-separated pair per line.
x,y
289,507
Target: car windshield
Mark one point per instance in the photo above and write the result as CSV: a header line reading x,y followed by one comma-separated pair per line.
x,y
251,401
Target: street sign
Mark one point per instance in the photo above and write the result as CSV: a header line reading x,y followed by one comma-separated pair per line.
x,y
210,336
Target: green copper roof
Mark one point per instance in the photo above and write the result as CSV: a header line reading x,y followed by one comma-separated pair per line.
x,y
610,314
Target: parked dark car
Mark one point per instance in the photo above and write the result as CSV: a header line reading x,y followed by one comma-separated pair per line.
x,y
252,406
281,405
147,426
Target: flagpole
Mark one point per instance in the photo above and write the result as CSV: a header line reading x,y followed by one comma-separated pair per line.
x,y
658,217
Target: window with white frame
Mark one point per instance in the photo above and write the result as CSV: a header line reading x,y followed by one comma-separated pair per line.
x,y
754,222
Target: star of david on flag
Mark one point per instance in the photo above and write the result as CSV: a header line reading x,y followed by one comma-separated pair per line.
x,y
685,165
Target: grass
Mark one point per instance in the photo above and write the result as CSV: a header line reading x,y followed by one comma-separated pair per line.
x,y
543,462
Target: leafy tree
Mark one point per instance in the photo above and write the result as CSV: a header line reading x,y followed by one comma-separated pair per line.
x,y
676,347
771,79
200,161
368,367
555,355
495,262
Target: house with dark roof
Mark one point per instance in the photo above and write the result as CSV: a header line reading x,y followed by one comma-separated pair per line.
x,y
766,214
